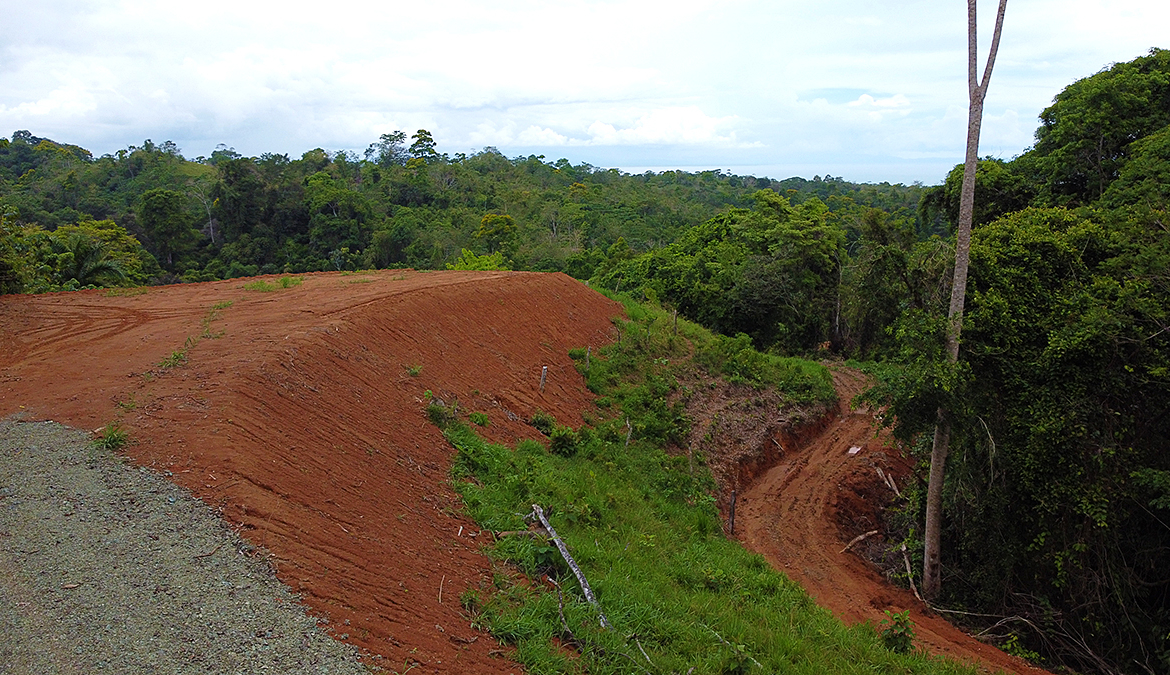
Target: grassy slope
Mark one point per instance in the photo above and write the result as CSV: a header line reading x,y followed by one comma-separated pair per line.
x,y
644,529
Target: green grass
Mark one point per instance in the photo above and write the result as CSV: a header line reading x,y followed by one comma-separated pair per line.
x,y
112,438
176,358
647,535
266,287
213,314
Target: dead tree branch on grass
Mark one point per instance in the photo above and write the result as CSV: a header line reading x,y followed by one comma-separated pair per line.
x,y
572,564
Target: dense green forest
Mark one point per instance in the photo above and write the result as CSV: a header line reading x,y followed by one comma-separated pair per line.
x,y
1058,499
401,205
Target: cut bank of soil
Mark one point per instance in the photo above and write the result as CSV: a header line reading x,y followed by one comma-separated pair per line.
x,y
801,513
300,415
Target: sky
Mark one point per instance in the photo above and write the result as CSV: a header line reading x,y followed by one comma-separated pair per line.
x,y
868,91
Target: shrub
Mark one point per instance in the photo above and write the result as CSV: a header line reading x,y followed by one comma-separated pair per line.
x,y
898,632
440,414
563,441
479,419
543,422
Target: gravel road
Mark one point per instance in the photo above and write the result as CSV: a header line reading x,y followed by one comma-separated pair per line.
x,y
107,567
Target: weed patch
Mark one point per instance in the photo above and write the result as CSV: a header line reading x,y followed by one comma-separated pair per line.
x,y
898,632
266,287
178,357
111,439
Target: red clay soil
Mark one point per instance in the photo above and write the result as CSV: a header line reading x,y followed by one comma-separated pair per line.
x,y
801,513
300,413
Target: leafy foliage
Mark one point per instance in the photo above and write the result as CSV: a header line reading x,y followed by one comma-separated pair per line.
x,y
898,632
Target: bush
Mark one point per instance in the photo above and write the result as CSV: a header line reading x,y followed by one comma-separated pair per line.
x,y
898,632
543,422
440,414
563,441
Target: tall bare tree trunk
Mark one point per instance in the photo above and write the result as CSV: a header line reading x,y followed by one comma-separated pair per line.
x,y
931,573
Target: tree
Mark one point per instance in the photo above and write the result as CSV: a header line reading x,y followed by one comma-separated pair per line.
x,y
84,261
1085,136
498,232
238,197
163,214
424,146
931,574
389,150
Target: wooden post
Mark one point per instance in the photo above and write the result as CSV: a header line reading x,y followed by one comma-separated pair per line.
x,y
676,322
543,375
732,519
587,351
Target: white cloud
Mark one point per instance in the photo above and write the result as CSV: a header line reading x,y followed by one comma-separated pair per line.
x,y
879,108
683,125
621,82
69,101
535,135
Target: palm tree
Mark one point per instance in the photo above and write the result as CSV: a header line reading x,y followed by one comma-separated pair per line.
x,y
86,260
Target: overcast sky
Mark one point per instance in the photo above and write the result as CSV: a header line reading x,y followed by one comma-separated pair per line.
x,y
870,91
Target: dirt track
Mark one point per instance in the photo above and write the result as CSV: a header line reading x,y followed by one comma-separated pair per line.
x,y
800,515
303,423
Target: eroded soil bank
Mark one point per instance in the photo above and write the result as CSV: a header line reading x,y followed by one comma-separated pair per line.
x,y
820,493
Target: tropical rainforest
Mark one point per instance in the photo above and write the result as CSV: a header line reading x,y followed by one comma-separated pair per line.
x,y
1057,507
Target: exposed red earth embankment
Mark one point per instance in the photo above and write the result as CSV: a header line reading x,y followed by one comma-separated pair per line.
x,y
803,510
300,412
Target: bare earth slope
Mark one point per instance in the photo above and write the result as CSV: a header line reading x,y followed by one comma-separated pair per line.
x,y
300,414
797,513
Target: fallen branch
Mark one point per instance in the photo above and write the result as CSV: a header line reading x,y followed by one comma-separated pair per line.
x,y
893,485
642,650
631,659
561,610
572,564
729,644
888,479
910,574
858,539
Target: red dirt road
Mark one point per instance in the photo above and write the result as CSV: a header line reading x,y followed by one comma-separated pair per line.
x,y
297,414
799,515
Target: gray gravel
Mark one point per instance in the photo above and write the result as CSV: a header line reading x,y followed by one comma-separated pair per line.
x,y
107,567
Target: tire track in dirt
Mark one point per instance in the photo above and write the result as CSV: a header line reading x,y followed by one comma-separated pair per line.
x,y
790,516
